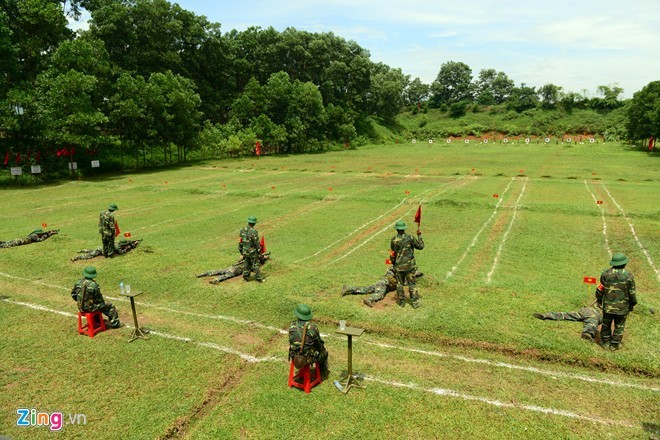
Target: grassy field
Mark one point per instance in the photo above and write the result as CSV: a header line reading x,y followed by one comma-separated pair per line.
x,y
470,363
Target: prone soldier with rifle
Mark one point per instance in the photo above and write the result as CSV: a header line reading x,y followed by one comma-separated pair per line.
x,y
124,246
232,271
35,236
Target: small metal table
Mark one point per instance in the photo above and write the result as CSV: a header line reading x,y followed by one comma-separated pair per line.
x,y
137,332
350,380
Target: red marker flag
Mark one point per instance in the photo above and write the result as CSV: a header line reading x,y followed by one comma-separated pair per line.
x,y
116,228
6,158
44,225
262,244
599,202
257,148
388,261
418,215
127,234
651,143
496,195
590,280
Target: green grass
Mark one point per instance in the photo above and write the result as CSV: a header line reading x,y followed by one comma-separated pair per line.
x,y
328,220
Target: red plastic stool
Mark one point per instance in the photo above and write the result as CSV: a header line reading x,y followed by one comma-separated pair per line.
x,y
91,328
306,376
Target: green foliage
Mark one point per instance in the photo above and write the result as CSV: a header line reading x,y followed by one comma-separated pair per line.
x,y
452,85
644,112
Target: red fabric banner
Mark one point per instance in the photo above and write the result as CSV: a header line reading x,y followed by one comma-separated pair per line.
x,y
418,215
6,158
262,244
257,148
116,228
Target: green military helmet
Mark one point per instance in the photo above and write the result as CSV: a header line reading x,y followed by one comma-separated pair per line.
x,y
619,259
252,220
304,312
37,231
400,225
90,272
123,242
113,207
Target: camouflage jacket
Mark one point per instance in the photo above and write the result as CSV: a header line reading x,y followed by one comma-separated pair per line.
x,y
87,294
313,342
107,223
403,246
388,280
248,244
616,291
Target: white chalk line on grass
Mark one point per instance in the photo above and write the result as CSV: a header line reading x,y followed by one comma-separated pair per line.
x,y
476,237
356,230
437,391
388,227
377,344
602,215
489,277
245,356
499,403
498,364
632,229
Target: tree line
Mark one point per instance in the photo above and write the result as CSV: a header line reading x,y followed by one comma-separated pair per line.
x,y
150,82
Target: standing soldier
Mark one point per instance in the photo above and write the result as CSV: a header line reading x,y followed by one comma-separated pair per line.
x,y
403,248
616,295
248,246
87,293
387,283
108,229
35,236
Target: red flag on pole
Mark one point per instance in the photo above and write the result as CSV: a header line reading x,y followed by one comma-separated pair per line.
x,y
18,157
116,228
127,234
262,244
590,280
418,215
257,148
651,143
6,158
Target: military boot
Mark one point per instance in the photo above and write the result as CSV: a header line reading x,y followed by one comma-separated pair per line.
x,y
400,297
538,316
614,346
604,343
587,336
367,302
346,290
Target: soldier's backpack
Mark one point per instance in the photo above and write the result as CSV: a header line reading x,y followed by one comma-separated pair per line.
x,y
299,359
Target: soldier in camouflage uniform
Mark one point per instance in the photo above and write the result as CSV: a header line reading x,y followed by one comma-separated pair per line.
x,y
314,348
592,317
87,293
232,271
403,248
124,246
248,246
35,236
107,229
378,290
616,294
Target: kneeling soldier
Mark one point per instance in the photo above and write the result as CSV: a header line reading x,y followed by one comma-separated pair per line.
x,y
314,348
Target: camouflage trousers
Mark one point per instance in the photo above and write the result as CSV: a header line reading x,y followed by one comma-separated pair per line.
x,y
108,245
87,254
225,274
251,264
609,336
404,278
377,291
583,315
17,242
108,310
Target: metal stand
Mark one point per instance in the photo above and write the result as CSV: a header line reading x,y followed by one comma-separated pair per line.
x,y
138,333
350,379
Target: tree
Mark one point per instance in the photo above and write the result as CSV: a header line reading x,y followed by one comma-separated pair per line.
x,y
610,98
416,92
644,112
453,84
523,98
387,86
550,95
